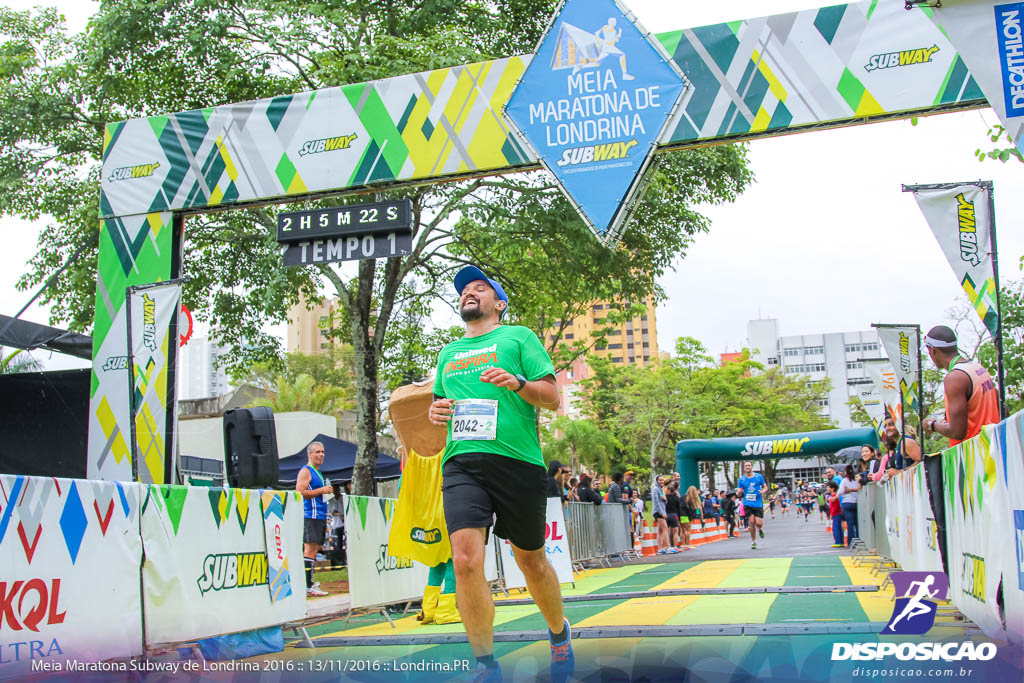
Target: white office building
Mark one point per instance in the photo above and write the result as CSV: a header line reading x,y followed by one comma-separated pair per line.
x,y
199,376
835,356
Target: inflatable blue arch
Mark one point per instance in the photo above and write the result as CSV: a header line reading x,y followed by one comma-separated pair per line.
x,y
691,451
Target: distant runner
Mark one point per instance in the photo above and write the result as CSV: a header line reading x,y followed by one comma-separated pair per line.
x,y
752,486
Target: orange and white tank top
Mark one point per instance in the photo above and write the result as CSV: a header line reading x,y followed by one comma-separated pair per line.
x,y
983,405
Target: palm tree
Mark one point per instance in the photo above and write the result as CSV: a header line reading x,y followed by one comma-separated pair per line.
x,y
11,363
303,394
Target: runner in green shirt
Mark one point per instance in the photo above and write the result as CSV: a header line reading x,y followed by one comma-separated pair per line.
x,y
487,388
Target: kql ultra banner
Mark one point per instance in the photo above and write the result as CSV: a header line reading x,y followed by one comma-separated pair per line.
x,y
69,573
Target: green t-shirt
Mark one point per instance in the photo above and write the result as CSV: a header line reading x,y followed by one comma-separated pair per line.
x,y
513,349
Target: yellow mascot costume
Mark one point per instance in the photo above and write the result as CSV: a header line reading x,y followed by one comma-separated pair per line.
x,y
418,531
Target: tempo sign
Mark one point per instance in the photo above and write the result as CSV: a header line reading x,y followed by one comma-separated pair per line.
x,y
346,233
303,226
350,248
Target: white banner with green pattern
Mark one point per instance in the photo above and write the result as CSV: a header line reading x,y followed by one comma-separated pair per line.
x,y
979,524
206,570
960,217
911,527
375,577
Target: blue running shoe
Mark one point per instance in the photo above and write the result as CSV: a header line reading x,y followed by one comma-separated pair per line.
x,y
486,675
563,662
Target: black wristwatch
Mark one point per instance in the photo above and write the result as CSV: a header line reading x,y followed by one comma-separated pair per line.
x,y
522,383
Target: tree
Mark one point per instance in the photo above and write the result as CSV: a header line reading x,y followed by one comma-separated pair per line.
x,y
579,442
689,397
333,368
147,57
302,393
1011,303
14,362
998,136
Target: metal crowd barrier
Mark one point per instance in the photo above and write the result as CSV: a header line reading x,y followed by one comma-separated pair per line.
x,y
597,531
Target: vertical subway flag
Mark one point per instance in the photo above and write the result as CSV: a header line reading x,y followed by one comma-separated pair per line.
x,y
153,351
883,377
960,218
592,104
900,343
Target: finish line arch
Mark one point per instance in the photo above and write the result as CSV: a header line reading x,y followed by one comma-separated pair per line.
x,y
827,441
820,68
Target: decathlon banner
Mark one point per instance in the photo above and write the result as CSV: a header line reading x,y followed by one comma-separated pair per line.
x,y
279,578
900,344
988,37
961,220
979,528
883,377
914,541
206,571
556,545
69,573
375,577
153,345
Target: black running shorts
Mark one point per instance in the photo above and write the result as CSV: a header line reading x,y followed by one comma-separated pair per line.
x,y
673,521
314,531
756,512
479,487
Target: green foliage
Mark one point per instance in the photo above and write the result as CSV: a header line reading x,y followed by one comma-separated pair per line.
x,y
14,362
997,135
303,393
332,368
687,397
576,442
523,232
1011,302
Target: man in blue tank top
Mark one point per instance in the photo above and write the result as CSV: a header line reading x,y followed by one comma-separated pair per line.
x,y
752,487
313,485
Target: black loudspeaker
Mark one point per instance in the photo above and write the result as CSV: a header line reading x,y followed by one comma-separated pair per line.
x,y
250,448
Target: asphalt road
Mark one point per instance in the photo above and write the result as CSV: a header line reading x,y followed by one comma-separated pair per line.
x,y
785,536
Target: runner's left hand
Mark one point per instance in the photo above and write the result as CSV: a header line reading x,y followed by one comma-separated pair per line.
x,y
499,377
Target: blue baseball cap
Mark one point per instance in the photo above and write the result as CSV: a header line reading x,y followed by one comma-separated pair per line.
x,y
471,274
